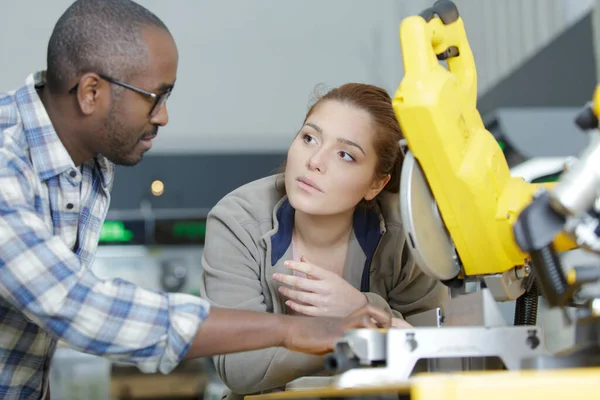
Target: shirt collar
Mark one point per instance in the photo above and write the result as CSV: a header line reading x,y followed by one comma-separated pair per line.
x,y
48,154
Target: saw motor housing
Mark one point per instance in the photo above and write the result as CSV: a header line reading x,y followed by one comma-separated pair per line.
x,y
473,196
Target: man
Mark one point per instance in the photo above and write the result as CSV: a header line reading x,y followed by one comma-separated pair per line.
x,y
111,67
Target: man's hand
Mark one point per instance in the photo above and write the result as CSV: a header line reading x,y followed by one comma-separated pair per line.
x,y
322,293
400,323
318,335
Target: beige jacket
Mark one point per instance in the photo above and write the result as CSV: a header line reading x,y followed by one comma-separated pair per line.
x,y
248,238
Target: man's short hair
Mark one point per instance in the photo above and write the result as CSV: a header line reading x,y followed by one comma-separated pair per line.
x,y
102,36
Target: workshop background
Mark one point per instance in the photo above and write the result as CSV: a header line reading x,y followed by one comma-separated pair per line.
x,y
247,73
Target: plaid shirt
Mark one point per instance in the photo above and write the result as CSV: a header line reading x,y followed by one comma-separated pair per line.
x,y
51,214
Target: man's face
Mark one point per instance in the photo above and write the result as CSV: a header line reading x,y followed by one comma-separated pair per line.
x,y
129,128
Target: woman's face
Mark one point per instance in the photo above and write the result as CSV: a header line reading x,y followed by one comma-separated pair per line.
x,y
331,162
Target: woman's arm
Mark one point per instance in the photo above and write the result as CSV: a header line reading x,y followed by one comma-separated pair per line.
x,y
412,290
232,279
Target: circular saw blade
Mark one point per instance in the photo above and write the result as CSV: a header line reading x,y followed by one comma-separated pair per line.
x,y
429,241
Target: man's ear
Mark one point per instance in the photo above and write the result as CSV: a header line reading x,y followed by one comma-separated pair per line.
x,y
377,187
91,91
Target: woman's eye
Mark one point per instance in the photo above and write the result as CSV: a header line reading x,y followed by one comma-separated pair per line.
x,y
346,156
308,139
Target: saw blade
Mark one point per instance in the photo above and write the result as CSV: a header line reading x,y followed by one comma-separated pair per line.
x,y
429,241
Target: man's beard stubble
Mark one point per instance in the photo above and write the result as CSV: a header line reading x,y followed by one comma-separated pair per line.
x,y
121,151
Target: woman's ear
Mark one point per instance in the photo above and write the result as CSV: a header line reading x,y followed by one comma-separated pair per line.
x,y
377,187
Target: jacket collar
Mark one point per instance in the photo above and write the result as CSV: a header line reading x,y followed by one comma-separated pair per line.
x,y
368,227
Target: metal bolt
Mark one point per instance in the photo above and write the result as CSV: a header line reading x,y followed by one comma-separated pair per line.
x,y
411,343
523,272
532,340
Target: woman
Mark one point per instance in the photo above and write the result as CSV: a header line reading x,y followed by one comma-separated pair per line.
x,y
323,238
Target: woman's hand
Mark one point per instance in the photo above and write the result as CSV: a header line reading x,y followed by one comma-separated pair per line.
x,y
321,293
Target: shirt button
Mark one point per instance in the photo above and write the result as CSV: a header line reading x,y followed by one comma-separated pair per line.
x,y
73,174
70,206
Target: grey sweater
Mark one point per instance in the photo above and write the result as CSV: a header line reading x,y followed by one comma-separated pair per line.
x,y
248,238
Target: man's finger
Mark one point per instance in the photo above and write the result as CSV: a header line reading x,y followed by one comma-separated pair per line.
x,y
383,319
400,323
361,321
300,296
308,285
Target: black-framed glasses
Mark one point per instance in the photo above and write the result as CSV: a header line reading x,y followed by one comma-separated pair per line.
x,y
159,99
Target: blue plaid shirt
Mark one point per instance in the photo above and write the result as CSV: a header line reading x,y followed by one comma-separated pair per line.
x,y
51,214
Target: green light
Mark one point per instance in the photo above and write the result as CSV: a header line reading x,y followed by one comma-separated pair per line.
x,y
189,229
115,231
546,179
502,144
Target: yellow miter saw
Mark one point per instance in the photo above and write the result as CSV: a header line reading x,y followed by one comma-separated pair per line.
x,y
461,211
459,201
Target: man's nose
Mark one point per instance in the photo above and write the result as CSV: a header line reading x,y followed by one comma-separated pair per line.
x,y
161,118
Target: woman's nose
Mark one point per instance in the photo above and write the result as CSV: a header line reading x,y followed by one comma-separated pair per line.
x,y
315,162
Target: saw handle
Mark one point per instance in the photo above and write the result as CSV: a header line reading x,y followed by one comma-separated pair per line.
x,y
444,9
437,34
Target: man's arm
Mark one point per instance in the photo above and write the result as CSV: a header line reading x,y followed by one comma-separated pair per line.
x,y
41,277
229,331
